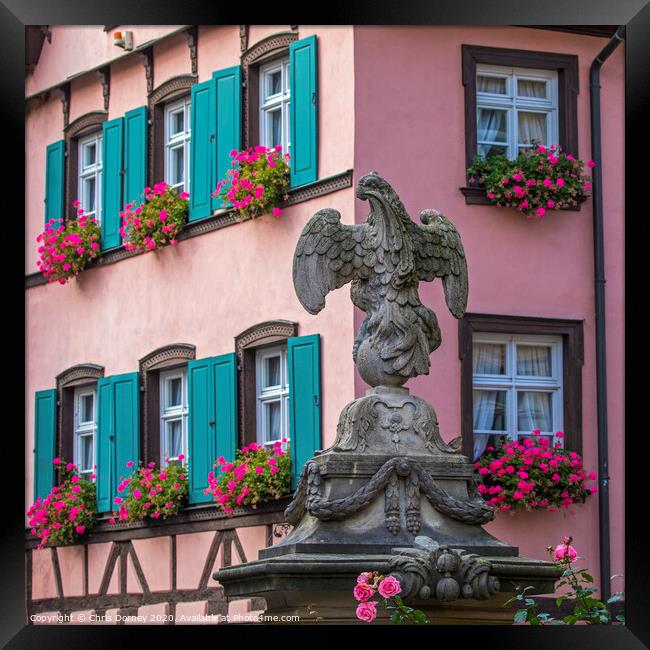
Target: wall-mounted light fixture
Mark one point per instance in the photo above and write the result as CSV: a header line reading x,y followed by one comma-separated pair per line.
x,y
123,40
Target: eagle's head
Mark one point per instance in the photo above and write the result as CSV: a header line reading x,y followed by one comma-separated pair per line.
x,y
382,197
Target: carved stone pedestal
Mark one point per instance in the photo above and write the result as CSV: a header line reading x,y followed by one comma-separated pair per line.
x,y
365,505
318,588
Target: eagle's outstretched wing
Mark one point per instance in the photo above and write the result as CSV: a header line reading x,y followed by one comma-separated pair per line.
x,y
328,255
439,253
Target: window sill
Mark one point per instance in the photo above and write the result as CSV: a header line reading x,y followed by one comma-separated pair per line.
x,y
218,219
478,196
192,519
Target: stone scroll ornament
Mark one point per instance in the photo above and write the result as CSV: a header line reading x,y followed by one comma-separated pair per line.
x,y
384,259
430,570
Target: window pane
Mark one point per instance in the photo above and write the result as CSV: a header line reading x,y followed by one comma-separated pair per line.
x,y
272,372
274,127
534,360
89,194
86,409
174,438
534,411
489,410
274,83
90,154
174,387
492,125
494,85
489,359
532,126
531,88
176,123
86,452
486,150
177,165
272,420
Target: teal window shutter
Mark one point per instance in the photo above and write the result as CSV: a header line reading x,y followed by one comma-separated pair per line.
x,y
227,102
118,433
303,111
126,391
112,172
105,451
303,360
201,427
54,175
135,154
202,142
44,441
212,421
224,369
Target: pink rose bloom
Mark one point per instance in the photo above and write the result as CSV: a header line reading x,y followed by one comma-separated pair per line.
x,y
483,470
541,149
80,529
137,494
276,212
389,587
591,163
564,552
587,186
560,182
367,611
362,579
76,488
130,464
363,591
259,470
540,212
490,195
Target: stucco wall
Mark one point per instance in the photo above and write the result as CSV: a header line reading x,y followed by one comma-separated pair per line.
x,y
209,288
409,126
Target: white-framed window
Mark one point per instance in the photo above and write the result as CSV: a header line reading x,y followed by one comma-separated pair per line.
x,y
275,100
173,414
517,387
272,393
515,106
89,189
177,143
85,430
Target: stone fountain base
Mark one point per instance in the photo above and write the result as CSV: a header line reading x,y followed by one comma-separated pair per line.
x,y
389,486
318,588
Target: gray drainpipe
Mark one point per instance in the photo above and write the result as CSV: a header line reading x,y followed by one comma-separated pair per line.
x,y
601,348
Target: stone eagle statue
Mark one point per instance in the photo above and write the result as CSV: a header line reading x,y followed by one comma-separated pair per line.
x,y
384,258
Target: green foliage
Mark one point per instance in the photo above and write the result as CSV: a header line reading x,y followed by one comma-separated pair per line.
x,y
156,221
153,493
539,179
579,594
258,474
67,512
258,181
68,248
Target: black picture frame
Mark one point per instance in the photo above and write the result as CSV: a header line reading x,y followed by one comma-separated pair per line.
x,y
635,14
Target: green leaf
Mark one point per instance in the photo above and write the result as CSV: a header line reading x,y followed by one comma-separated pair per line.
x,y
394,617
615,598
587,577
560,600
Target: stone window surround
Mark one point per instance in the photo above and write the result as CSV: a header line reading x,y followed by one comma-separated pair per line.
x,y
246,344
572,362
566,66
66,382
163,358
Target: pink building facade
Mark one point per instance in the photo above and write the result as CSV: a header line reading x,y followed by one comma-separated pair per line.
x,y
392,99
